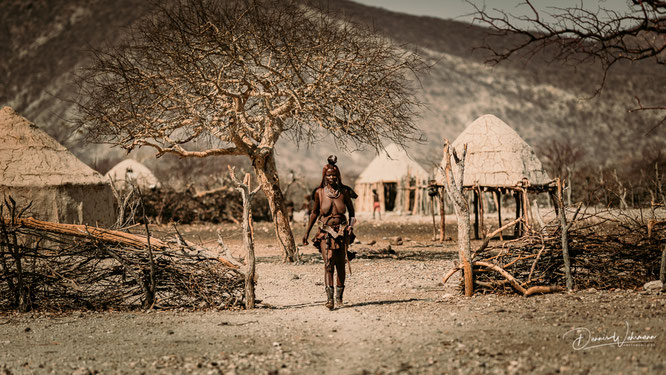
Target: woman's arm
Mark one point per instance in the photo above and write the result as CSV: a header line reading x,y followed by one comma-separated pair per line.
x,y
350,208
313,216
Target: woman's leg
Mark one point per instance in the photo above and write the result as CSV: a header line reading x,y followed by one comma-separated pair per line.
x,y
339,261
329,263
327,254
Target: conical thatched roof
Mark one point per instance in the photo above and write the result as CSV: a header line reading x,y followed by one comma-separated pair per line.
x,y
30,157
497,156
391,166
130,170
38,171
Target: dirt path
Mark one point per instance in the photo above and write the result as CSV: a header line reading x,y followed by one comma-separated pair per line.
x,y
399,319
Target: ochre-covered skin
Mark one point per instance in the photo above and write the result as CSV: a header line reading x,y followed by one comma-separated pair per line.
x,y
332,204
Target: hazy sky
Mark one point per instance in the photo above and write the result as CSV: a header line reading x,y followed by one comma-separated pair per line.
x,y
458,9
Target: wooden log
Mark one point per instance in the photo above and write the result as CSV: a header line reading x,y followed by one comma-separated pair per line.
x,y
512,280
542,290
79,230
486,240
450,273
492,284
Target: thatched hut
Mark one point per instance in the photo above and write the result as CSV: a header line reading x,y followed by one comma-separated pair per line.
x,y
499,161
36,168
399,181
131,172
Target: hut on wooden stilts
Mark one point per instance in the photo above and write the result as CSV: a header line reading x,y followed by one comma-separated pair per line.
x,y
499,162
400,182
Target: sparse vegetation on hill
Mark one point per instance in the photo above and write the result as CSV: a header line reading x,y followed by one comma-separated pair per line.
x,y
543,100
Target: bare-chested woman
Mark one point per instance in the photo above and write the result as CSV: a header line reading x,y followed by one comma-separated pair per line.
x,y
332,200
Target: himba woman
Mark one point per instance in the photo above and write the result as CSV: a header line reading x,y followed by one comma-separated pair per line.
x,y
332,200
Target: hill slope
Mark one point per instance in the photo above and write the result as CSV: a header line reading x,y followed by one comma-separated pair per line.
x,y
43,42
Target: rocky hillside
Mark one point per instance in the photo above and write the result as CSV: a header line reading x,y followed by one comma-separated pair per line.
x,y
42,43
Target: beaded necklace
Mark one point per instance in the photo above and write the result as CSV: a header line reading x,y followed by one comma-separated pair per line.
x,y
330,192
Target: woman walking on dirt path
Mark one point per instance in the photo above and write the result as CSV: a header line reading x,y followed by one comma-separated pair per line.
x,y
332,200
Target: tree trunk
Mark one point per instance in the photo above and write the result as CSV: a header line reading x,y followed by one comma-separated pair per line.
x,y
465,246
266,171
248,244
565,237
248,269
455,189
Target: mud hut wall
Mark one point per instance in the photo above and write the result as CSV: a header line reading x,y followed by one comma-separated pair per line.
x,y
399,206
70,203
364,202
422,204
382,198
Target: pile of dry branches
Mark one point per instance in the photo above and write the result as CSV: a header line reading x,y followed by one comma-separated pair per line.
x,y
54,266
214,206
607,250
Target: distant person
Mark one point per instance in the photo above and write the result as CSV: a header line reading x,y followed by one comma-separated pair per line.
x,y
376,207
332,200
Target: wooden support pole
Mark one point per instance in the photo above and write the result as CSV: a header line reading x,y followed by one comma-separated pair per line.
x,y
442,216
434,224
517,231
476,214
526,210
481,213
498,204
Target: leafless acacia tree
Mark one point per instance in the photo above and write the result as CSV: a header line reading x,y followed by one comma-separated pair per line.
x,y
602,35
203,78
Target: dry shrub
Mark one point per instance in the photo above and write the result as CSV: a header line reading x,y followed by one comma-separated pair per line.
x,y
48,270
186,207
608,250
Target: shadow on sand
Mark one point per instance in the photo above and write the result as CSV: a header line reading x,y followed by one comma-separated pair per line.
x,y
346,305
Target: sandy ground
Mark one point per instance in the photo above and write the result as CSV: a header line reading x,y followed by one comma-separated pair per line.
x,y
398,318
